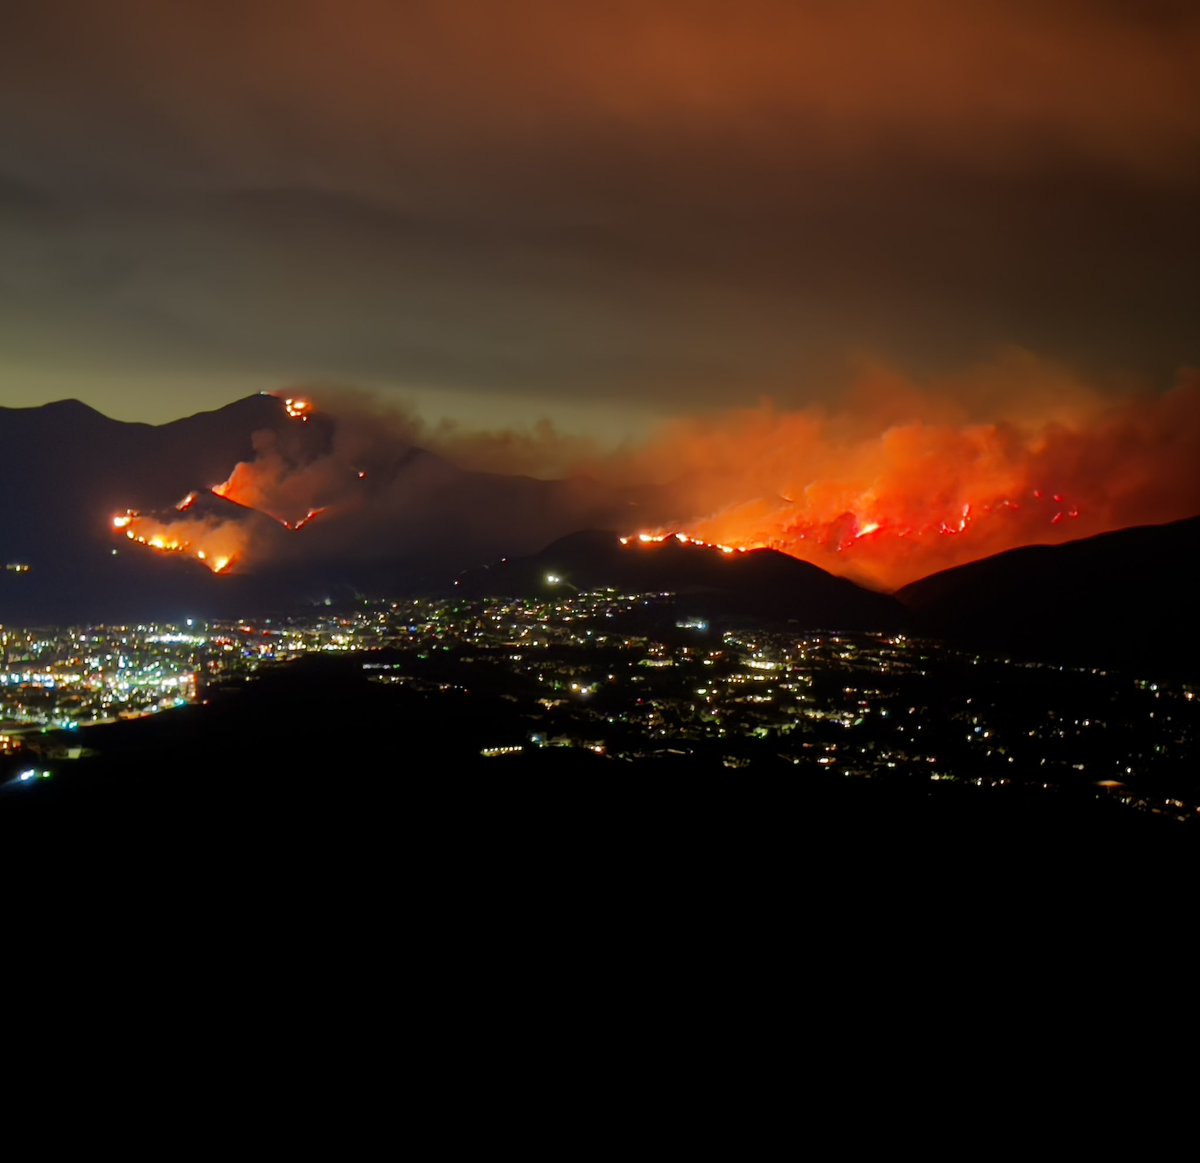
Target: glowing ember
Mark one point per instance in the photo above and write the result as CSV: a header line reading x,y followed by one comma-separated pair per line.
x,y
309,516
218,540
297,409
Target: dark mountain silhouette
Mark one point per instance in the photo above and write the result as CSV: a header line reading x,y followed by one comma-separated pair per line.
x,y
66,470
414,519
759,582
1127,598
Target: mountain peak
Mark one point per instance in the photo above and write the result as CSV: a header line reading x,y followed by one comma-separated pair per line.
x,y
59,409
258,409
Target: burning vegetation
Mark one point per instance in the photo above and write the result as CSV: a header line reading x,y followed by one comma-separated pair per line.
x,y
682,538
220,526
898,481
898,488
216,542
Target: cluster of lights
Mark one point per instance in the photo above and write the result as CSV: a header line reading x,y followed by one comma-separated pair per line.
x,y
961,525
297,409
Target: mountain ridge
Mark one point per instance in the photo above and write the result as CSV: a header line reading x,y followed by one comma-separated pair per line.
x,y
708,581
1126,597
410,519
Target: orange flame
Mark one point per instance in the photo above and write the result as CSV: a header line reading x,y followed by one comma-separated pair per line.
x,y
885,498
311,515
208,539
220,542
899,482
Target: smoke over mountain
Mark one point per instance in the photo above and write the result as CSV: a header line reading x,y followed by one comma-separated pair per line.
x,y
903,478
346,479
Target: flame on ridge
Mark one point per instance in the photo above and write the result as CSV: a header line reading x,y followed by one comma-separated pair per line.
x,y
215,543
682,538
893,483
839,543
219,541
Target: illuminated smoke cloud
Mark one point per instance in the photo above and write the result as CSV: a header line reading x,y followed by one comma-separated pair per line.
x,y
864,493
346,477
215,542
902,479
234,524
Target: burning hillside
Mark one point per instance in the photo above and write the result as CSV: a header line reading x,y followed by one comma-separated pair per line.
x,y
237,519
896,483
900,488
203,525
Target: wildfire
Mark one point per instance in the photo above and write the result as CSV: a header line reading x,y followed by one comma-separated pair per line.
x,y
219,539
682,538
216,540
858,543
206,538
295,526
900,480
906,483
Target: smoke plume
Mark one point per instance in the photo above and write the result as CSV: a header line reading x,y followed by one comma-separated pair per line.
x,y
903,478
906,479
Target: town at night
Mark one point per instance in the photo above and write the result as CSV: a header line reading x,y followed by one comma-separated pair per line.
x,y
626,679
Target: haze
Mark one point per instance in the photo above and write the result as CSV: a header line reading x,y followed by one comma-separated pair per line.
x,y
637,224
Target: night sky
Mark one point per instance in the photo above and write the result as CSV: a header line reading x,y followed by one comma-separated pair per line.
x,y
605,213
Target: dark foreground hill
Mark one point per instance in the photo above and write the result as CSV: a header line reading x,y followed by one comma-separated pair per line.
x,y
1128,598
318,766
760,582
